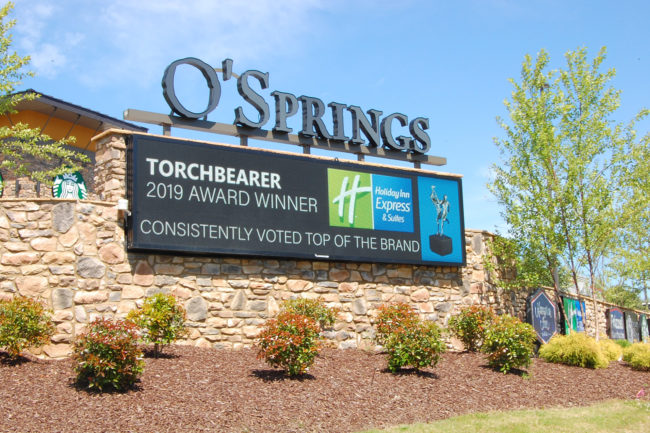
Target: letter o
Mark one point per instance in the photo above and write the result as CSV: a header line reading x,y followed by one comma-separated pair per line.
x,y
170,93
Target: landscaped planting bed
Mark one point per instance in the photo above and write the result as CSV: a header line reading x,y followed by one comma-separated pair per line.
x,y
192,389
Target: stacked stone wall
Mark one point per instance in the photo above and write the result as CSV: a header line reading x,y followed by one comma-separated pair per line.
x,y
73,255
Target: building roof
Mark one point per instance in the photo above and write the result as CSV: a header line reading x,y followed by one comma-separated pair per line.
x,y
66,111
59,119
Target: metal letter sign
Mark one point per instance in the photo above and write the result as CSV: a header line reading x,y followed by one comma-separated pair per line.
x,y
616,324
201,198
169,92
543,316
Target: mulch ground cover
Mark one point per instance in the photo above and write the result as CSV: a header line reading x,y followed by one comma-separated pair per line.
x,y
195,390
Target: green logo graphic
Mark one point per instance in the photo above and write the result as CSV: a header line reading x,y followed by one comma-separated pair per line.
x,y
69,185
350,198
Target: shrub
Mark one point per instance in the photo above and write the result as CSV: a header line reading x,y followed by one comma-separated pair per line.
x,y
392,318
416,343
638,356
107,356
290,341
576,349
161,319
406,339
323,315
470,324
610,349
623,343
24,323
509,343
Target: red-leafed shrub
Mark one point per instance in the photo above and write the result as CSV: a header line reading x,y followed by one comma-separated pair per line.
x,y
290,341
392,318
107,355
408,341
24,323
470,324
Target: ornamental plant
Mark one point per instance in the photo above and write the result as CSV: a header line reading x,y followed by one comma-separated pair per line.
x,y
408,341
24,322
161,319
576,349
416,344
107,355
290,342
509,343
392,318
470,324
611,350
638,356
316,309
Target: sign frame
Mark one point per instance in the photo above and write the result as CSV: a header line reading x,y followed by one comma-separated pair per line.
x,y
610,324
538,297
136,175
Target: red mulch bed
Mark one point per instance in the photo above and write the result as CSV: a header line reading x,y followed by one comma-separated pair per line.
x,y
194,390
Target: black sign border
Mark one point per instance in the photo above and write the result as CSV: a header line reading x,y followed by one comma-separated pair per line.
x,y
132,179
533,296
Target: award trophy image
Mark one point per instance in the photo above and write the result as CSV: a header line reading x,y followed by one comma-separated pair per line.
x,y
439,243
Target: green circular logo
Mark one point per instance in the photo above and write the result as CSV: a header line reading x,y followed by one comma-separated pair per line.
x,y
69,185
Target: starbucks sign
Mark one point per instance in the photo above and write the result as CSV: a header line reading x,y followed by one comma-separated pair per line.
x,y
69,185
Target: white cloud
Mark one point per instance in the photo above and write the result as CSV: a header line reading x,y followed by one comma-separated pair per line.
x,y
48,60
134,40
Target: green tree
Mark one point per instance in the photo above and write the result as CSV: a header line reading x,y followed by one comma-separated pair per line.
x,y
561,183
22,145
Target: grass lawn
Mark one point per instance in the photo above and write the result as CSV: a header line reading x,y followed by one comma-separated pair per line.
x,y
611,416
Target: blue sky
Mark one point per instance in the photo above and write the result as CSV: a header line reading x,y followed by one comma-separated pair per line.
x,y
448,61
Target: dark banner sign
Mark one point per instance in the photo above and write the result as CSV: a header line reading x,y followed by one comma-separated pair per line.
x,y
201,198
616,324
643,325
632,327
543,316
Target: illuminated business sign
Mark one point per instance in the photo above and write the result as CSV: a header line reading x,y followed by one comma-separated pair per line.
x,y
200,198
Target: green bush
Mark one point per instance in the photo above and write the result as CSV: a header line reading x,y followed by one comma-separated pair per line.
x,y
576,349
509,343
610,349
392,318
416,344
24,323
161,320
107,355
623,343
470,324
408,341
290,341
638,356
316,309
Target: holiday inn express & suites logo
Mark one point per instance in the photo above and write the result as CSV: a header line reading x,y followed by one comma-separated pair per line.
x,y
369,201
